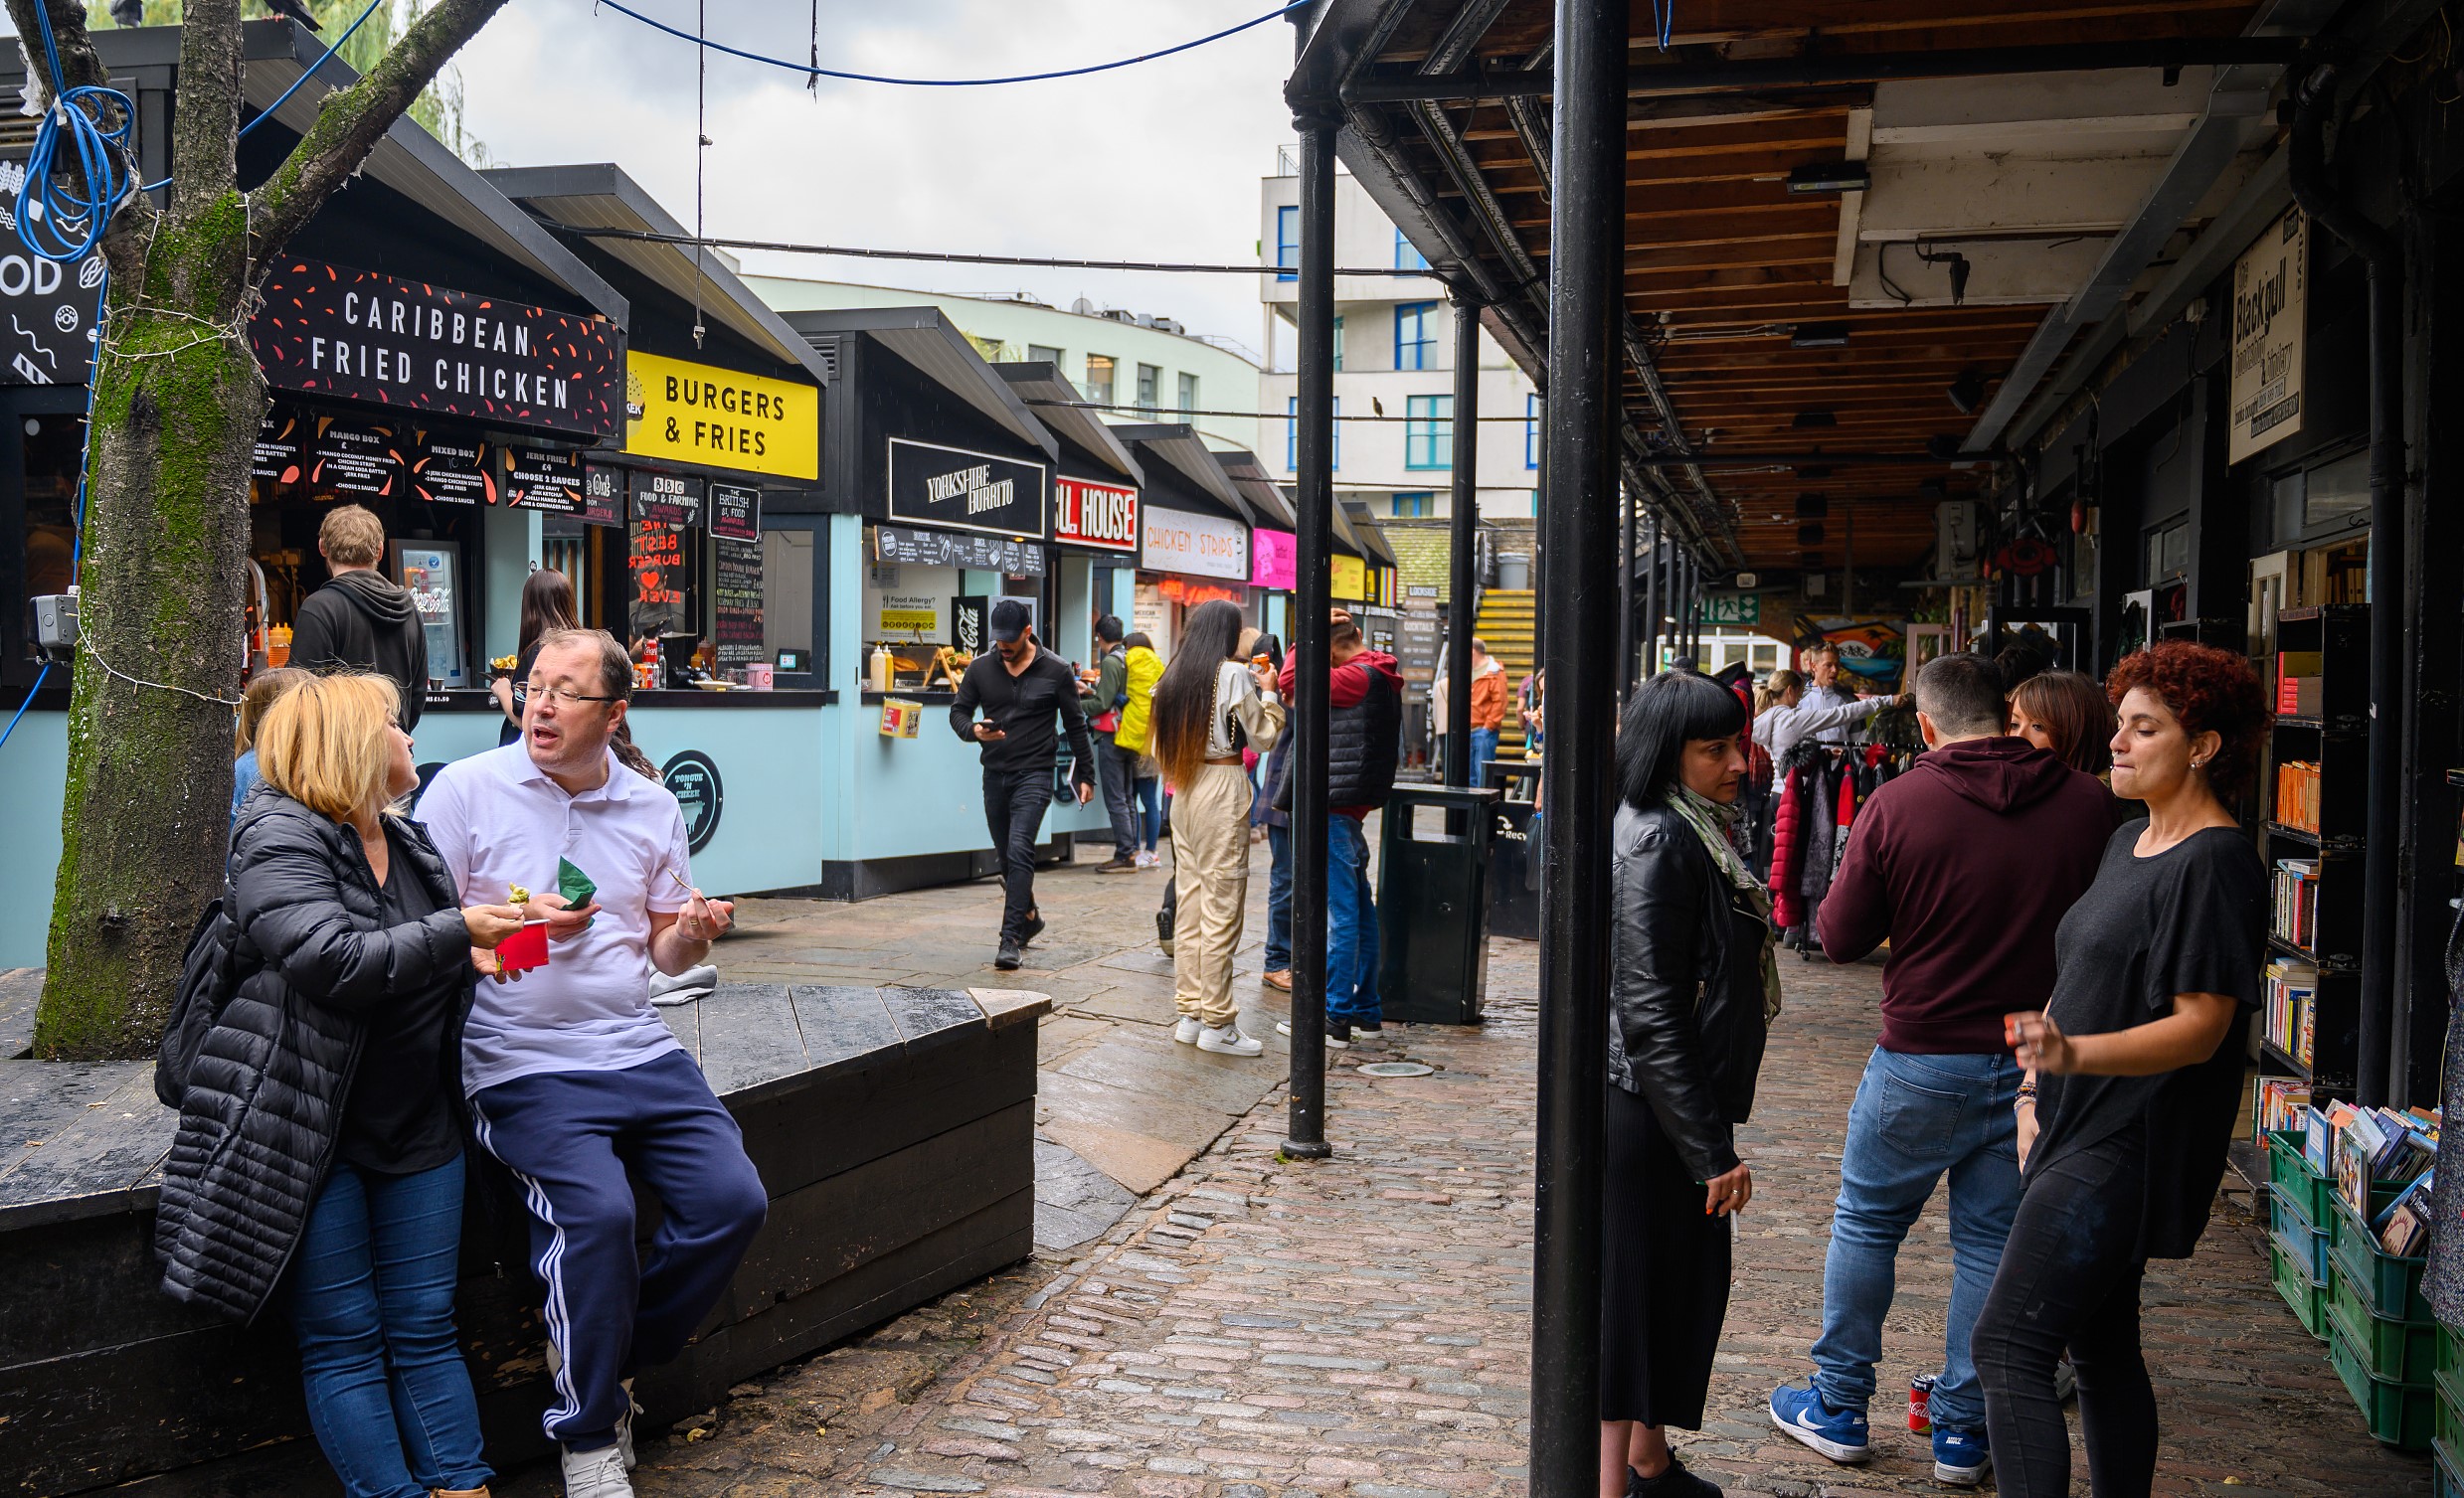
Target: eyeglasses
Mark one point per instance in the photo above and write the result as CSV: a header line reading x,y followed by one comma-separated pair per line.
x,y
562,697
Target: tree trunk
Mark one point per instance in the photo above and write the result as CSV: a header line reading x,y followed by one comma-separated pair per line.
x,y
177,398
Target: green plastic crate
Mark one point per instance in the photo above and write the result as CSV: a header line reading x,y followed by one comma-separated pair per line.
x,y
2289,1174
2450,1424
2400,1352
2389,1287
2307,1301
2304,1240
2451,1355
2404,1416
2447,1476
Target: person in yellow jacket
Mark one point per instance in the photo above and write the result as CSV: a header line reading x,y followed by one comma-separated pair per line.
x,y
1135,736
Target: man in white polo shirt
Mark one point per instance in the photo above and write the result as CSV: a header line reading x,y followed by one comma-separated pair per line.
x,y
571,1075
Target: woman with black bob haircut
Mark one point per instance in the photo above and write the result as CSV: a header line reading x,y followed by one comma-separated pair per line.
x,y
2133,1076
1692,990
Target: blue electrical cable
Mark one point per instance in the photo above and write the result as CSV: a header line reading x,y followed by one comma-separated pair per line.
x,y
809,71
48,209
310,71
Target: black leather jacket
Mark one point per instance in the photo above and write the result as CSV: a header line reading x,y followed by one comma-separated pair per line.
x,y
1686,1002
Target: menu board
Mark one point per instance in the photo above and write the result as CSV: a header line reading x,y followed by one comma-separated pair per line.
x,y
736,602
735,512
1416,644
660,564
603,495
539,479
990,553
354,457
277,454
453,470
667,498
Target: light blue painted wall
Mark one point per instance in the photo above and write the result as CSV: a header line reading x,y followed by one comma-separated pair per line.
x,y
34,774
512,556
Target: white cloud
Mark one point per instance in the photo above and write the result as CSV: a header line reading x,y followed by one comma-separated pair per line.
x,y
1158,161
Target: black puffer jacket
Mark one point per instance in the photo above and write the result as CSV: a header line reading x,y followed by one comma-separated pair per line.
x,y
264,1101
1685,1005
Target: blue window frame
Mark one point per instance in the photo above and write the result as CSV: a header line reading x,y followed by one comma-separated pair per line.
x,y
1292,433
1429,431
1288,242
1415,335
1413,506
1407,256
1532,431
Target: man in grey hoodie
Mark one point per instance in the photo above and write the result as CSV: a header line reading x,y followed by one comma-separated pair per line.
x,y
358,621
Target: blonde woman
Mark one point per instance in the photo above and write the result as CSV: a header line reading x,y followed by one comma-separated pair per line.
x,y
1209,706
320,1137
254,698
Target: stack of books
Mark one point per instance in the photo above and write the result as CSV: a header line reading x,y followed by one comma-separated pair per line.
x,y
2291,1017
2279,1104
2385,1151
2295,914
2297,795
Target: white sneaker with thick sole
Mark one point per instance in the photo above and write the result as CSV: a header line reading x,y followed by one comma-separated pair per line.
x,y
1189,1030
596,1474
1229,1041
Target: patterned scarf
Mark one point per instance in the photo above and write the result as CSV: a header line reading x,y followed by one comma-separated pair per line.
x,y
1711,820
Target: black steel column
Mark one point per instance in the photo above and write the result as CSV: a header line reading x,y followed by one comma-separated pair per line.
x,y
1313,476
1578,529
1463,519
1650,595
1625,599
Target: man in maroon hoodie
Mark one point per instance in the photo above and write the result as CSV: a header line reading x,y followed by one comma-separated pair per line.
x,y
1364,695
1966,864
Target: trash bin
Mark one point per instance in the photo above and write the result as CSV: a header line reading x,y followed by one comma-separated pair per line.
x,y
1515,851
1433,903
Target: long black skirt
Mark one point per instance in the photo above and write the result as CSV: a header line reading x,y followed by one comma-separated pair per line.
x,y
1664,1269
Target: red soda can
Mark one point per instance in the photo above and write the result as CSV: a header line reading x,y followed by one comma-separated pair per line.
x,y
1920,1402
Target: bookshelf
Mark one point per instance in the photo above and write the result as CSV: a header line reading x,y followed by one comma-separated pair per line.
x,y
2317,786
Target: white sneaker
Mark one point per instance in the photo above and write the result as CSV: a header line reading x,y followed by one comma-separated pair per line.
x,y
596,1474
1189,1030
1148,858
1334,1041
1229,1041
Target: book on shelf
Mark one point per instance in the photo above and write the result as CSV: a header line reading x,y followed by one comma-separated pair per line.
x,y
2290,993
2279,1104
2297,795
2295,906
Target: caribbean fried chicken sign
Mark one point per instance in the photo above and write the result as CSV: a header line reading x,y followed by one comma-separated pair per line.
x,y
368,337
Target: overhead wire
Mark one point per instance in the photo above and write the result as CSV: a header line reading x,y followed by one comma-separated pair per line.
x,y
948,257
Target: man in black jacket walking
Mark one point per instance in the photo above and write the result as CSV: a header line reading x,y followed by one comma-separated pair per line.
x,y
1020,686
358,621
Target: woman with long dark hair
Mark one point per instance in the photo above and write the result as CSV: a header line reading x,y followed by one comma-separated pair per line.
x,y
2133,1076
1209,706
1692,988
546,607
2069,715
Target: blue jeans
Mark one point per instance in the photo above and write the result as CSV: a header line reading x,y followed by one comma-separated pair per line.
x,y
1149,813
1352,924
1278,898
372,1302
1916,1118
1484,749
1117,768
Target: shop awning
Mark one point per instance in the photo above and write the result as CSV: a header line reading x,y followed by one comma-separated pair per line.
x,y
1040,385
600,195
1178,444
933,344
1257,487
1370,540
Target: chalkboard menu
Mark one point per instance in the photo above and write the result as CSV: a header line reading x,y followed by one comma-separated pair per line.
x,y
1416,644
279,446
537,478
453,470
736,604
990,553
735,512
354,457
603,495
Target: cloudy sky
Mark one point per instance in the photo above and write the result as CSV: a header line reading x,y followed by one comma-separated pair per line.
x,y
1158,161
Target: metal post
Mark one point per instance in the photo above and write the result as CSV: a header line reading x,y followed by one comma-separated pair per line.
x,y
1685,607
1625,600
1463,520
1315,501
1650,595
1578,526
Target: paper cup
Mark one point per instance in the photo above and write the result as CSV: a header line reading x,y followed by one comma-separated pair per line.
x,y
524,950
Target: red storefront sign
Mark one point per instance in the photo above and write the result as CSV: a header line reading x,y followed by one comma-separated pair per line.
x,y
1091,514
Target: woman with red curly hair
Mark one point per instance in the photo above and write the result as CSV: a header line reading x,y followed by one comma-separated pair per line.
x,y
2133,1074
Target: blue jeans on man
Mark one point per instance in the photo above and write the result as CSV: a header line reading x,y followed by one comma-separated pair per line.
x,y
1278,898
1484,749
1915,1119
1352,925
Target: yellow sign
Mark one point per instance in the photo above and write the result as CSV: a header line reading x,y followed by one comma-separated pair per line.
x,y
723,419
1352,577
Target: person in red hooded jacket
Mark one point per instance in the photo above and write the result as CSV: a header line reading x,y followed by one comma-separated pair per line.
x,y
1363,748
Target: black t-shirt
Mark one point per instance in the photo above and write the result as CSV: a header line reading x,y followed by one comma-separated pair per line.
x,y
400,1118
2189,920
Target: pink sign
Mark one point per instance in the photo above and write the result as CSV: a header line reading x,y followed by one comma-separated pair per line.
x,y
1274,561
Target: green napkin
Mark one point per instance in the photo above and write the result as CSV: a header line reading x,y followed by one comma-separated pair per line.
x,y
574,885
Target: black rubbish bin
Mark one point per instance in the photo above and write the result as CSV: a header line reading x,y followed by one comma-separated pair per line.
x,y
1515,852
1432,904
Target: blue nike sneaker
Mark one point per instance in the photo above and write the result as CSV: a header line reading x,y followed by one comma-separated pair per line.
x,y
1838,1434
1961,1457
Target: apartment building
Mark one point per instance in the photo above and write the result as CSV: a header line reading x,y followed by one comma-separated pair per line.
x,y
1394,359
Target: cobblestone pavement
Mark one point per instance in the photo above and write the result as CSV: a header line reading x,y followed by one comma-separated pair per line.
x,y
1360,1324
